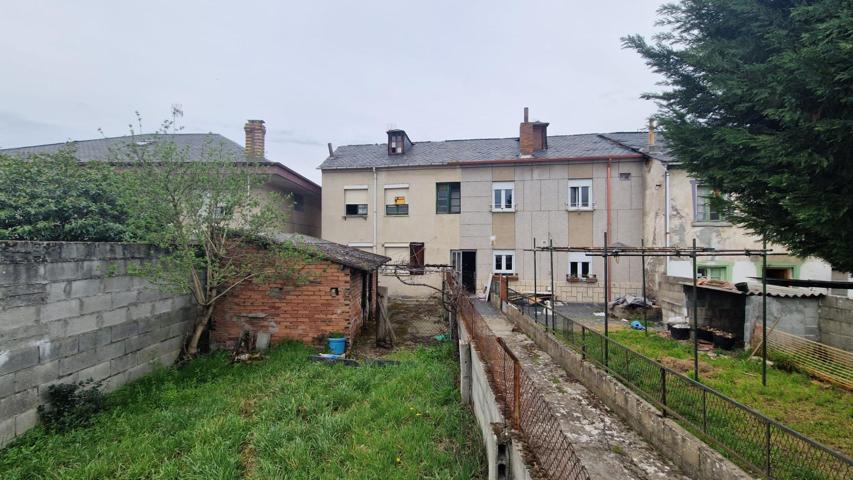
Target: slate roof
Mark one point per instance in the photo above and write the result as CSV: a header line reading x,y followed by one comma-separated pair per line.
x,y
101,148
638,141
335,252
474,150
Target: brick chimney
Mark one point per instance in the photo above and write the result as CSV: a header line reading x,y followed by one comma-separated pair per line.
x,y
532,137
255,133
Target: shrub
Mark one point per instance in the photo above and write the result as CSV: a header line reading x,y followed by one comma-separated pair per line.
x,y
71,405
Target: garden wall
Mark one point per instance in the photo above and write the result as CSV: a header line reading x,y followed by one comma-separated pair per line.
x,y
70,312
835,320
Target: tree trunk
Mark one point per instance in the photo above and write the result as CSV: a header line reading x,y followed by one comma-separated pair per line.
x,y
200,324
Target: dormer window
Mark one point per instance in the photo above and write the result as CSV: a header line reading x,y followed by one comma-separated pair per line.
x,y
396,145
398,142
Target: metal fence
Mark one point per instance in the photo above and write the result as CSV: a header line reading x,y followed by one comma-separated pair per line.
x,y
523,404
753,440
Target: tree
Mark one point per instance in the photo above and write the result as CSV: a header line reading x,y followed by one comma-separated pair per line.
x,y
52,197
759,105
214,229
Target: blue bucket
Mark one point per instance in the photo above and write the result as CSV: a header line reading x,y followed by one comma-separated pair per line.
x,y
338,345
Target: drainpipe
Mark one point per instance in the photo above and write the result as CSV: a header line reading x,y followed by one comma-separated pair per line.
x,y
609,237
375,211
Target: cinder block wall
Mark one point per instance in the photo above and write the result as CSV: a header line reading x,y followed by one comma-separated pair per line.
x,y
70,312
835,321
329,302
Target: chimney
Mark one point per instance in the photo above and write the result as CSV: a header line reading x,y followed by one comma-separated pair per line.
x,y
652,147
255,133
532,137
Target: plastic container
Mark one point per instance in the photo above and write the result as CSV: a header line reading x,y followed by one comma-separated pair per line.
x,y
705,334
680,331
337,345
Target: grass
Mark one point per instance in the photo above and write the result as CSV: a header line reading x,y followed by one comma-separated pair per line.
x,y
813,408
284,417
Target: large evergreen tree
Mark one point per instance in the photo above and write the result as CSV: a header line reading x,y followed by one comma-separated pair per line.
x,y
759,104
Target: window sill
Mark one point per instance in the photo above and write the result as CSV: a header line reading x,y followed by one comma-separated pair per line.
x,y
354,216
581,280
509,276
711,223
590,209
447,213
396,214
503,210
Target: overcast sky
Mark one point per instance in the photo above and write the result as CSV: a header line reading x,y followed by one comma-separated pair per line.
x,y
320,71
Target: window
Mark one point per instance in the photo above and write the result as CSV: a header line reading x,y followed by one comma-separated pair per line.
x,y
786,273
355,198
711,272
448,197
502,197
579,265
504,261
705,211
396,199
298,202
580,194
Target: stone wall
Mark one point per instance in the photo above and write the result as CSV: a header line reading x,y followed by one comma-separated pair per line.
x,y
70,312
835,320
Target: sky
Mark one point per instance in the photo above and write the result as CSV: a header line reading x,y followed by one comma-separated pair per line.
x,y
321,71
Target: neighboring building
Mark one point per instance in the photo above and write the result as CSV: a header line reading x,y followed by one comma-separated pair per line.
x,y
338,296
678,209
480,203
303,209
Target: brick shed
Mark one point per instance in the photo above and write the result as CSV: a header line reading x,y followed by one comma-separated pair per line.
x,y
339,296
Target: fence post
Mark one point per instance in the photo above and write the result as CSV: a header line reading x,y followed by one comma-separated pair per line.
x,y
704,410
516,393
663,391
583,342
767,441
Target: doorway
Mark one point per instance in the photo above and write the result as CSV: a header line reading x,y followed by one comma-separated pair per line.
x,y
465,268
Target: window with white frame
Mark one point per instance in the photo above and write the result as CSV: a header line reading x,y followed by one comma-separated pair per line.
x,y
503,194
580,194
579,265
355,200
705,209
504,261
396,199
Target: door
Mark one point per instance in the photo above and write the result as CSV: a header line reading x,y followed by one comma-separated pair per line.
x,y
465,268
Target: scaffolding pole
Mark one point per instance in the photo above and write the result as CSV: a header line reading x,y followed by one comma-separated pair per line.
x,y
535,293
645,303
553,293
606,302
695,319
764,315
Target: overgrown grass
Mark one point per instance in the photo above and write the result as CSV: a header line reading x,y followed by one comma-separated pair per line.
x,y
283,418
813,408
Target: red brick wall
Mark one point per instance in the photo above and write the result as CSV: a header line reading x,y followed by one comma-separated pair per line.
x,y
307,313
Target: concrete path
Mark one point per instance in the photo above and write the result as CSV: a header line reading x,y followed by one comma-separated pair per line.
x,y
607,447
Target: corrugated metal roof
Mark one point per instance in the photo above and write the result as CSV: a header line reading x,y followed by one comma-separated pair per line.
x,y
772,291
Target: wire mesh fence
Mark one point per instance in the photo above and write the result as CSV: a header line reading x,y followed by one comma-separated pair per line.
x,y
522,401
753,440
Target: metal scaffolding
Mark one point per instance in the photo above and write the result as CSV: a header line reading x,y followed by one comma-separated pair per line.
x,y
693,252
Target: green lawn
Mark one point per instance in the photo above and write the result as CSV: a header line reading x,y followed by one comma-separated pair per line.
x,y
283,418
813,408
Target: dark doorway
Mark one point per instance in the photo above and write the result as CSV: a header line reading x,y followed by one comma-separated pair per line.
x,y
465,265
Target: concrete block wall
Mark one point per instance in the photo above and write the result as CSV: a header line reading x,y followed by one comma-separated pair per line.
x,y
835,321
477,392
70,312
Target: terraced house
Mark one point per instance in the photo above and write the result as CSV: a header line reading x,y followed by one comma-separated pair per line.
x,y
479,203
